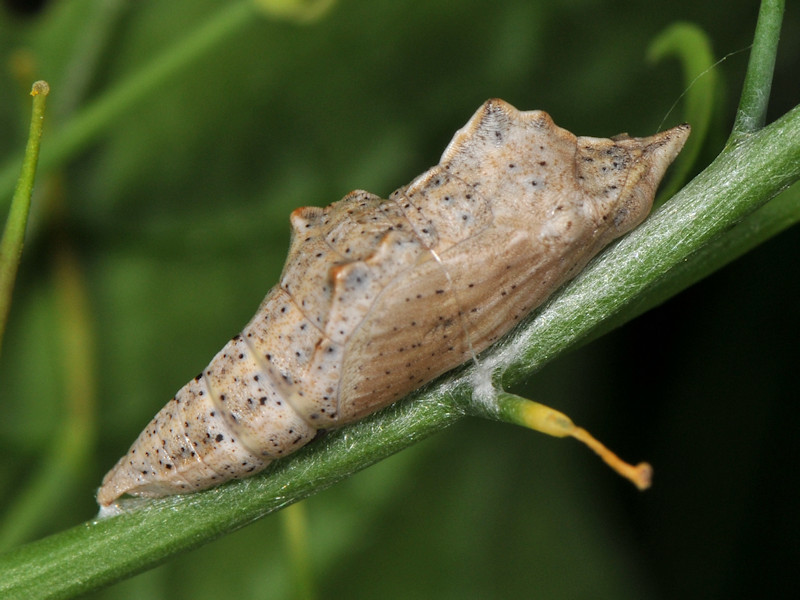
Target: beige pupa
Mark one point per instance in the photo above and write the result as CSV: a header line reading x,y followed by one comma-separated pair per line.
x,y
378,297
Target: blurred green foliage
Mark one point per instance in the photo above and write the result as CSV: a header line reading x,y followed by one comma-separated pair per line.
x,y
178,218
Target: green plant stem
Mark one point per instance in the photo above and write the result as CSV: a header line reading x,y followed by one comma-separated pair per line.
x,y
14,232
517,410
100,552
752,112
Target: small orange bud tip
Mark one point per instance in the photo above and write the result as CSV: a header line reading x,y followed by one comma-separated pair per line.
x,y
40,87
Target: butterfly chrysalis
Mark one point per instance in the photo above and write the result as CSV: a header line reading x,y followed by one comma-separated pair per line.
x,y
378,297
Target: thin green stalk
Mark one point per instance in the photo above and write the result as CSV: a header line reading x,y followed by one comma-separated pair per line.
x,y
14,233
517,410
59,471
691,45
752,112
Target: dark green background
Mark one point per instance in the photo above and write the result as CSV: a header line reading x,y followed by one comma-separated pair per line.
x,y
179,216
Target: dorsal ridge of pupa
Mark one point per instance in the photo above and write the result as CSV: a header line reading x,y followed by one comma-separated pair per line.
x,y
378,297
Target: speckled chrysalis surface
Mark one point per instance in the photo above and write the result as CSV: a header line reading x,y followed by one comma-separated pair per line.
x,y
378,297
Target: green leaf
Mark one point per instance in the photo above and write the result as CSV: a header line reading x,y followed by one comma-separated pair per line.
x,y
691,45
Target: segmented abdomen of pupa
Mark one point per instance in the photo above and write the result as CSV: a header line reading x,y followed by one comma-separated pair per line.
x,y
378,297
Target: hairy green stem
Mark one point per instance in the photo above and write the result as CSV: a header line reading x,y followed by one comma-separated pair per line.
x,y
633,272
100,552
